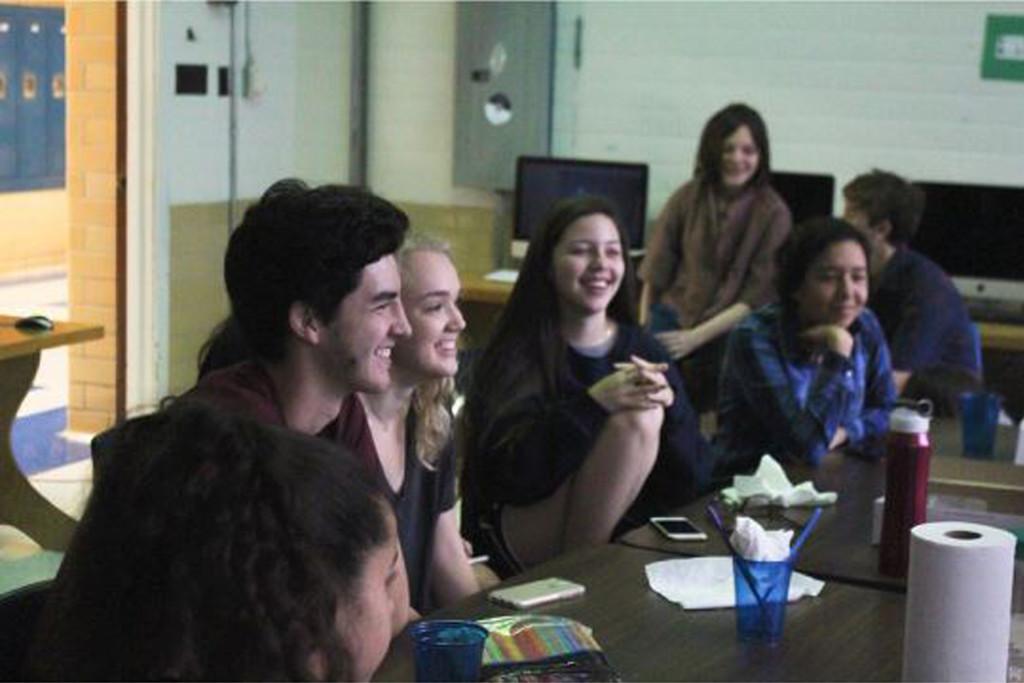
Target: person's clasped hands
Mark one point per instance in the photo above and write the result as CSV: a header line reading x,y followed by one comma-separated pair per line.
x,y
636,385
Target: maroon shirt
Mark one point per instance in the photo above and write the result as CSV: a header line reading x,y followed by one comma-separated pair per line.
x,y
246,388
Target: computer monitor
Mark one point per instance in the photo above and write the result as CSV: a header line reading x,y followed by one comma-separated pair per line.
x,y
541,181
975,233
806,194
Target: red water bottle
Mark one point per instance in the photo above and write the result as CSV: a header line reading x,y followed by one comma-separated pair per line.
x,y
908,455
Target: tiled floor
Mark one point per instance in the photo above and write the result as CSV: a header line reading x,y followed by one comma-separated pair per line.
x,y
57,461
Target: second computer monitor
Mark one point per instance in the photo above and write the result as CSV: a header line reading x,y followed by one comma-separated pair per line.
x,y
806,194
541,181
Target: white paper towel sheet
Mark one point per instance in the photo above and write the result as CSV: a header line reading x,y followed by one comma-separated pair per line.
x,y
959,590
707,583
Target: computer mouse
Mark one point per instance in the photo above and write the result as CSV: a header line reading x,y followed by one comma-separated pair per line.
x,y
34,323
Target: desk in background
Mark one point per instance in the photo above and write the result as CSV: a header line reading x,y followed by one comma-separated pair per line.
x,y
847,633
479,291
482,302
1002,336
20,504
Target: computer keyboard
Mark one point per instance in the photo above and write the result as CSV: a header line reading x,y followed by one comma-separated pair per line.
x,y
504,275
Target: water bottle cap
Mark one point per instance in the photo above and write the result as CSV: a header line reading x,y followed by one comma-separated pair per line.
x,y
908,421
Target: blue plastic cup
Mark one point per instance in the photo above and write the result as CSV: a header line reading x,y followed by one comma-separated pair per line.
x,y
979,415
448,650
761,620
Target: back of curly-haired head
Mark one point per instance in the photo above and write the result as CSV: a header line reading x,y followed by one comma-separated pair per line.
x,y
212,548
305,244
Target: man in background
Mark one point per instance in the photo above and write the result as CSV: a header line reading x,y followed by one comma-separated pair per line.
x,y
934,345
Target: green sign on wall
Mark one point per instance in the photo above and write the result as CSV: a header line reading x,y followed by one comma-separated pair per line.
x,y
1004,48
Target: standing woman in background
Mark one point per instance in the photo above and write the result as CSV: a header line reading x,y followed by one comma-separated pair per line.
x,y
711,260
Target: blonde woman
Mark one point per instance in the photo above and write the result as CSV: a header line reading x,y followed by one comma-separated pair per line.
x,y
411,428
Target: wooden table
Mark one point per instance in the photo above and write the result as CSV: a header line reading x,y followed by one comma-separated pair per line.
x,y
20,504
840,548
847,633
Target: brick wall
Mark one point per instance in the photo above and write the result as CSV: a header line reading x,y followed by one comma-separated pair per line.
x,y
35,233
92,208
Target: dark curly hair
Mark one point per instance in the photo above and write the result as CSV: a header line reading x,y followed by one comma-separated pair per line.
x,y
809,239
725,122
303,244
212,548
886,196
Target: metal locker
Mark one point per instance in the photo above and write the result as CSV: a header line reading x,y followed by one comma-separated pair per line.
x,y
504,70
56,92
32,97
8,105
33,104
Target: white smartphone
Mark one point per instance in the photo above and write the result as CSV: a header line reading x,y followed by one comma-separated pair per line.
x,y
536,593
678,529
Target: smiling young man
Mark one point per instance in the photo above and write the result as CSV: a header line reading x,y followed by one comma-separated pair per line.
x,y
314,289
934,349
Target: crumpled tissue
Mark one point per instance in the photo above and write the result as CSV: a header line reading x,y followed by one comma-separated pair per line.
x,y
707,582
769,485
753,542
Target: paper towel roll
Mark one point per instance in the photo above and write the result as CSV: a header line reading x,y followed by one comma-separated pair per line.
x,y
959,588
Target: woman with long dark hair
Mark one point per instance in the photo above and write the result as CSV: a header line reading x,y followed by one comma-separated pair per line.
x,y
711,259
576,425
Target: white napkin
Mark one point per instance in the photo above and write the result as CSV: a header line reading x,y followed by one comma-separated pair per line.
x,y
769,485
707,583
753,542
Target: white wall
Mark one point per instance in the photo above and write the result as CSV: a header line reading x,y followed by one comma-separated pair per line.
x,y
844,87
323,44
298,124
412,104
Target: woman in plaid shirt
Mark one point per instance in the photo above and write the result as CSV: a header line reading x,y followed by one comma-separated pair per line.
x,y
810,373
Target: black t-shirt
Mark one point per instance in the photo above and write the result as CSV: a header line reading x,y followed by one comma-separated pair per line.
x,y
424,495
